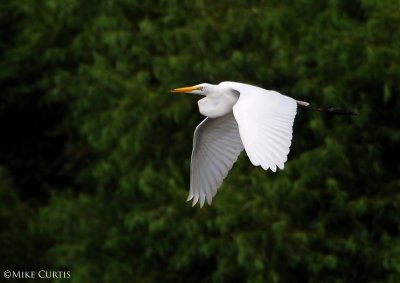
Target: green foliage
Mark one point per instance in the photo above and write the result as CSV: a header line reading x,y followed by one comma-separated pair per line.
x,y
106,173
20,239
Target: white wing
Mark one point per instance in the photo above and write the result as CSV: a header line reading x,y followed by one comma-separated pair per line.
x,y
265,120
216,146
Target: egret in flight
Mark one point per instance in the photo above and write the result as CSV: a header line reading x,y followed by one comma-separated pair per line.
x,y
239,116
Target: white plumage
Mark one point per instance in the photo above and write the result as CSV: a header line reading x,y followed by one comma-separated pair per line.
x,y
239,116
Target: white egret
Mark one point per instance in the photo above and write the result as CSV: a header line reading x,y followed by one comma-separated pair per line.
x,y
239,116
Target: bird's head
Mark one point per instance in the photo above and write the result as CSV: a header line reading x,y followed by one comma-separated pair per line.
x,y
200,89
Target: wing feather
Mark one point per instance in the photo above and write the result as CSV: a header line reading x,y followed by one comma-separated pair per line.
x,y
216,147
265,120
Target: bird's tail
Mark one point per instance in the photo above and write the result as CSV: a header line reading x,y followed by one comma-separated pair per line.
x,y
330,110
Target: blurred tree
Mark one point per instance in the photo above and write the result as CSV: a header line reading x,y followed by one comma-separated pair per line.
x,y
116,211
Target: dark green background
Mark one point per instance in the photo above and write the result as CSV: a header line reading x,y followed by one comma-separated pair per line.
x,y
95,153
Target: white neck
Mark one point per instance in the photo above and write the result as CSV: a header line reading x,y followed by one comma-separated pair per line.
x,y
218,102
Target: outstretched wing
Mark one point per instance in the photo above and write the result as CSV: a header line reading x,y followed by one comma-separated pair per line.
x,y
216,147
265,120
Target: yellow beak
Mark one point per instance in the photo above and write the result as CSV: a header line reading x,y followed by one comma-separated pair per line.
x,y
185,89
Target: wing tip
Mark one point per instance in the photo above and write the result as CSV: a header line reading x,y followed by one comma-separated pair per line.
x,y
200,199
